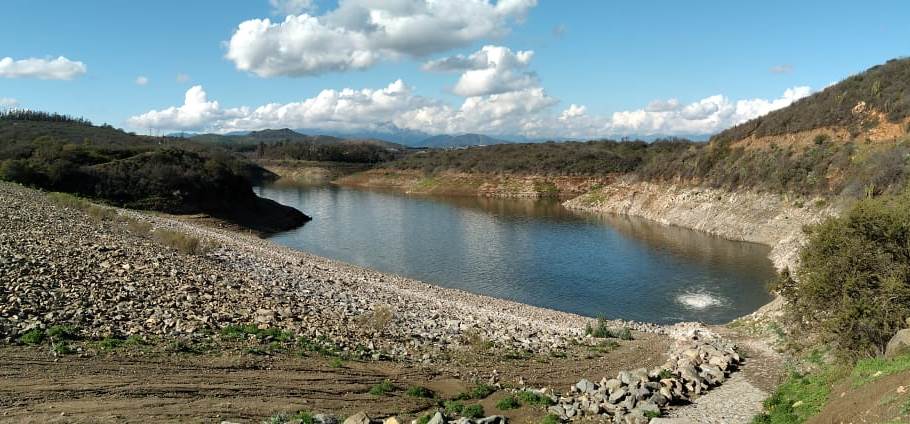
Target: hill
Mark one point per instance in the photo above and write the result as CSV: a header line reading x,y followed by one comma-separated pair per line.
x,y
874,104
287,144
464,140
59,153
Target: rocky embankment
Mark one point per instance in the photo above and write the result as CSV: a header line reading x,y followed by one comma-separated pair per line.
x,y
473,184
773,220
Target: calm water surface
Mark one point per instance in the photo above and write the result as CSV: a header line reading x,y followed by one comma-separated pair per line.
x,y
535,252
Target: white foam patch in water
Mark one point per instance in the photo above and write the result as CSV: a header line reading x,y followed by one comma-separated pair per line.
x,y
698,300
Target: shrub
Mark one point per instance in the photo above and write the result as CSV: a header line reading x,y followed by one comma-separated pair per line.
x,y
473,411
424,419
418,391
482,391
853,281
63,332
602,330
336,362
534,398
550,419
453,406
32,337
381,389
508,402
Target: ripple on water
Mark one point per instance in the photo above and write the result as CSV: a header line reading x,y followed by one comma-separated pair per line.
x,y
699,300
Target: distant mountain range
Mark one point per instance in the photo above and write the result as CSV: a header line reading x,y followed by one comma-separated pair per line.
x,y
387,135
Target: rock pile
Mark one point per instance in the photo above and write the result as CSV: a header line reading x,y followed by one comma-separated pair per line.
x,y
698,362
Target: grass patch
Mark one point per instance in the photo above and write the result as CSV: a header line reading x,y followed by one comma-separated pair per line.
x,y
550,419
453,406
138,227
31,337
424,419
61,348
602,330
63,332
336,362
871,369
507,403
381,389
473,411
420,392
800,397
376,320
534,398
239,332
181,242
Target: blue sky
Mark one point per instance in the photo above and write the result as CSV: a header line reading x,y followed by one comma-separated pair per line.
x,y
710,63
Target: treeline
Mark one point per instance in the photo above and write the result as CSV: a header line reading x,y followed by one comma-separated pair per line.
x,y
169,175
40,116
313,151
824,167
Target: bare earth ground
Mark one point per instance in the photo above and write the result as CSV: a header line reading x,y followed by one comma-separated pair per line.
x,y
159,387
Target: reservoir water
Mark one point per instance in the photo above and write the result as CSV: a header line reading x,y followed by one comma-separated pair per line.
x,y
535,252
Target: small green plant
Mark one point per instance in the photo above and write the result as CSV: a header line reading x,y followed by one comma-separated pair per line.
x,y
507,403
482,391
381,389
534,398
32,337
61,348
453,406
336,362
665,374
473,411
63,332
424,419
181,346
110,343
550,419
418,391
821,139
602,330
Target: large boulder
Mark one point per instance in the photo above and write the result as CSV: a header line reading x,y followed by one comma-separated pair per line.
x,y
899,344
358,418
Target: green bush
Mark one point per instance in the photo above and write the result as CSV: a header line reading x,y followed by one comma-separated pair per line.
x,y
550,419
853,285
507,403
534,398
453,406
473,411
32,337
602,330
421,392
63,332
381,389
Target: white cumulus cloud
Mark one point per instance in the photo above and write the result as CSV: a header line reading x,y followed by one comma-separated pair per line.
x,y
530,112
142,80
360,33
60,68
491,70
292,7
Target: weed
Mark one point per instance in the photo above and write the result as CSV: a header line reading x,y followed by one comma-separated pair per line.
x,y
424,419
453,406
799,397
534,398
418,391
138,227
381,389
376,320
110,343
482,391
181,242
550,419
871,369
507,403
665,374
473,411
652,414
336,362
62,348
602,330
32,337
63,332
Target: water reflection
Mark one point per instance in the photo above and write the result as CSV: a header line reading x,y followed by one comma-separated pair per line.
x,y
535,252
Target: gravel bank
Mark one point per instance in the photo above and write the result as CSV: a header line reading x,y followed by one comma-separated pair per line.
x,y
60,265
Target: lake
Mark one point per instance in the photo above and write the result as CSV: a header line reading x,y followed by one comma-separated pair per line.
x,y
535,252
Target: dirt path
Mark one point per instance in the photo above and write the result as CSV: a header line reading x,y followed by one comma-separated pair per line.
x,y
152,387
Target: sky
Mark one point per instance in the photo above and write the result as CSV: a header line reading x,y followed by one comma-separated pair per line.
x,y
535,68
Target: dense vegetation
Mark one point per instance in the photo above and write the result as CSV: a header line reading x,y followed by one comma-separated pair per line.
x,y
853,285
286,144
884,88
59,153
